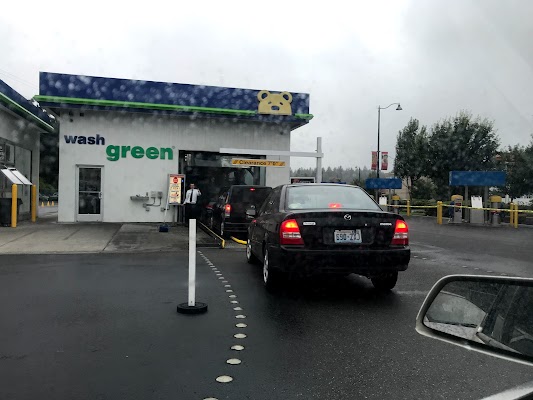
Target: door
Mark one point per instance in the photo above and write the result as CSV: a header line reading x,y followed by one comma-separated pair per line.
x,y
89,196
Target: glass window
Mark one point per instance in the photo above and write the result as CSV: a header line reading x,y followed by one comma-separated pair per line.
x,y
333,196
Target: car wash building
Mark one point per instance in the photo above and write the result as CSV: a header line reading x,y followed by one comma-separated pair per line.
x,y
123,142
21,123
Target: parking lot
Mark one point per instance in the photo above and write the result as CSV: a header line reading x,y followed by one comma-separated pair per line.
x,y
104,326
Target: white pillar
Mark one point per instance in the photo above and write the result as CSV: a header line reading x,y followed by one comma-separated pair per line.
x,y
319,160
192,262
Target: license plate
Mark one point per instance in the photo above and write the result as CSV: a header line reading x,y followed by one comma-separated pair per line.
x,y
348,236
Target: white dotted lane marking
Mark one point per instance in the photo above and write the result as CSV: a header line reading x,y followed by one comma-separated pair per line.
x,y
490,272
224,379
424,258
235,347
503,274
464,266
210,398
477,269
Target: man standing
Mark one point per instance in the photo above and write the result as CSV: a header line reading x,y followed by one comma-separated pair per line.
x,y
191,198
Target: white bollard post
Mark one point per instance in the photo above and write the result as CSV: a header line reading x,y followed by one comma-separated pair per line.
x,y
192,262
192,306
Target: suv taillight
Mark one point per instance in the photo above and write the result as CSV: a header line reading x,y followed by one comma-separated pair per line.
x,y
401,234
289,232
227,210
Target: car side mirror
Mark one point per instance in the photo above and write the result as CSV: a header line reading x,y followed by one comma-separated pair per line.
x,y
491,315
250,213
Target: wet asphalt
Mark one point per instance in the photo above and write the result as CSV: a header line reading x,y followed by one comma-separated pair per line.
x,y
105,326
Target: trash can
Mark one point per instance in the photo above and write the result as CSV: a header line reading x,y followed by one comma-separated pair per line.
x,y
5,211
495,202
456,212
395,204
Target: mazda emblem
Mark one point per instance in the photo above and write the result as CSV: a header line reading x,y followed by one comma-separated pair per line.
x,y
347,217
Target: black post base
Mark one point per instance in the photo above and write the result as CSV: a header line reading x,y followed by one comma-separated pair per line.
x,y
198,308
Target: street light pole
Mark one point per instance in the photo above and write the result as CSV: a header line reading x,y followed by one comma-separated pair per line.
x,y
379,119
399,108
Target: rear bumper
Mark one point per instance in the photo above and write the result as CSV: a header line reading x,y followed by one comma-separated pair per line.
x,y
236,227
364,262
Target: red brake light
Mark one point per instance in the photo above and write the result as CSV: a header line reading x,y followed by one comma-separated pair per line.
x,y
289,232
227,210
401,234
252,189
334,205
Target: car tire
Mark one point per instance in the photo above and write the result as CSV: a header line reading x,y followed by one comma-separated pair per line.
x,y
272,277
250,257
221,229
385,282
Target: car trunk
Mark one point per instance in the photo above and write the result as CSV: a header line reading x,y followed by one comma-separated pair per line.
x,y
319,229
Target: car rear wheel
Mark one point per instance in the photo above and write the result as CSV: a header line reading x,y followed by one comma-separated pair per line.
x,y
385,282
271,276
250,257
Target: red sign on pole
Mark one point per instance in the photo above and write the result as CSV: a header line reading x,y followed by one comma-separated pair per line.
x,y
374,161
384,160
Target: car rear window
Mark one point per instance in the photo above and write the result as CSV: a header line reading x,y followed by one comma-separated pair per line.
x,y
250,195
331,196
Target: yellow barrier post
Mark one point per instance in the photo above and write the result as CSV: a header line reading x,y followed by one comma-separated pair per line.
x,y
439,212
14,198
511,214
516,216
408,208
33,203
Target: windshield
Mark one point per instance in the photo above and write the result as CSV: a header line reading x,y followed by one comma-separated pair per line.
x,y
331,196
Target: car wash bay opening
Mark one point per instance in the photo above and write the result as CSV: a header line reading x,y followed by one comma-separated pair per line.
x,y
120,138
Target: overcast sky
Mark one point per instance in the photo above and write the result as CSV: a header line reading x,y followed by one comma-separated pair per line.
x,y
435,57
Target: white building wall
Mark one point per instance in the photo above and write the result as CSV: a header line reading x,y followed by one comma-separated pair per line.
x,y
129,176
23,134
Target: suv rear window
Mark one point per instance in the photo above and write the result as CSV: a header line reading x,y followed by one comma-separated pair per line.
x,y
310,197
249,195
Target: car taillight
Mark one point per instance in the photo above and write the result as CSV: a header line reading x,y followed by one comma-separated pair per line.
x,y
289,232
334,205
227,210
401,234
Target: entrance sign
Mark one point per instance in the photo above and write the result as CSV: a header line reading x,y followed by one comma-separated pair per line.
x,y
383,183
175,188
240,162
477,178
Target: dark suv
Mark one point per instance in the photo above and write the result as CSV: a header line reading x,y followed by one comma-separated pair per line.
x,y
228,215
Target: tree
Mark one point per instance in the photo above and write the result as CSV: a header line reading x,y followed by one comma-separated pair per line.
x,y
411,151
517,161
460,144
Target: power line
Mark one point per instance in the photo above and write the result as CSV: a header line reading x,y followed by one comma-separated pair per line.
x,y
19,80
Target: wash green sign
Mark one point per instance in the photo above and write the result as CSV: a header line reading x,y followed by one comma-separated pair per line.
x,y
115,153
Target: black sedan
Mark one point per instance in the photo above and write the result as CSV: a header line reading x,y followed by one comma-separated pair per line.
x,y
309,229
